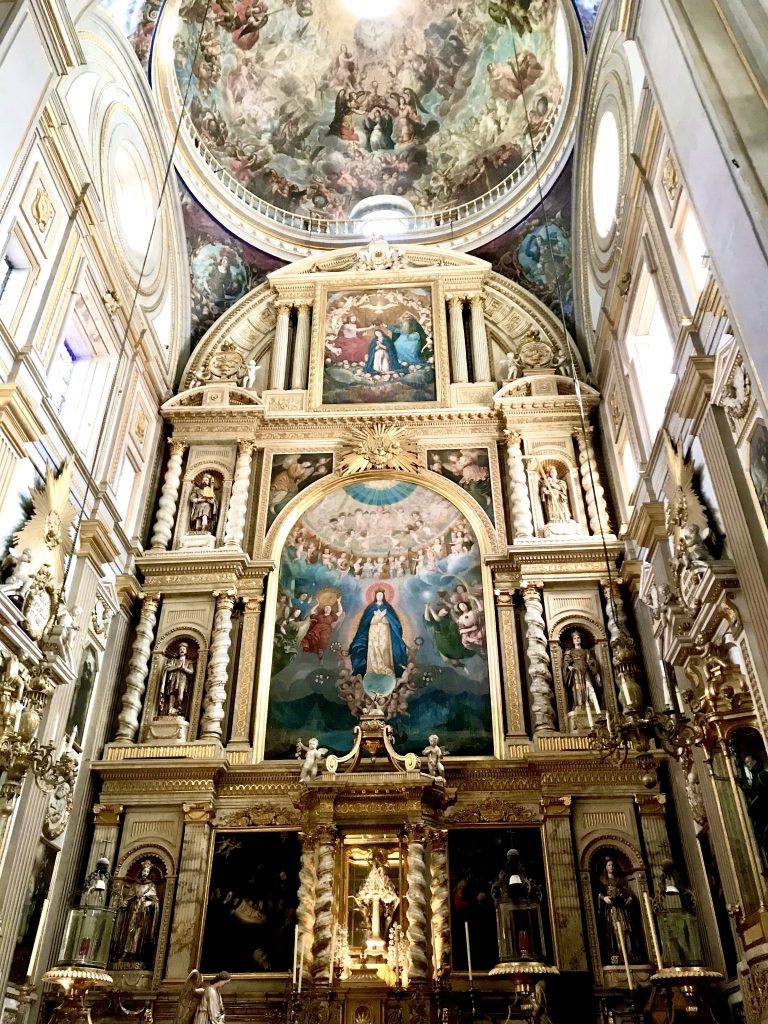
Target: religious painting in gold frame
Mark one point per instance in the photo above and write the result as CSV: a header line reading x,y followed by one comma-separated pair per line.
x,y
251,903
379,346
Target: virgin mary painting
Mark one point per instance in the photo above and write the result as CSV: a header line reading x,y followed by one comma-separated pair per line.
x,y
382,356
378,647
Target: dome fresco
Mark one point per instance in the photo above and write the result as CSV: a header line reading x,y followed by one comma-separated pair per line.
x,y
305,107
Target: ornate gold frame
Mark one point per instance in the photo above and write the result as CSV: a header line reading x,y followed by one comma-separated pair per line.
x,y
488,543
380,282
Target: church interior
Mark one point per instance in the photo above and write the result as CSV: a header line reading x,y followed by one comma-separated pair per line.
x,y
383,511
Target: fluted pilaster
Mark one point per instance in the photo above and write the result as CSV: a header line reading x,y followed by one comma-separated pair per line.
x,y
138,668
543,714
280,348
190,890
301,348
418,960
458,340
519,495
218,663
238,502
481,358
169,498
246,669
569,933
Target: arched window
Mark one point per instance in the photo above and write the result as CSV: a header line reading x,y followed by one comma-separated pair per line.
x,y
651,351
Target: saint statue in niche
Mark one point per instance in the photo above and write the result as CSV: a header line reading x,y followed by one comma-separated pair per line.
x,y
581,674
178,673
203,505
615,902
554,497
378,648
138,918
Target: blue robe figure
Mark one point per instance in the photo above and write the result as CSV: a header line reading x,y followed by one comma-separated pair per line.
x,y
378,646
382,356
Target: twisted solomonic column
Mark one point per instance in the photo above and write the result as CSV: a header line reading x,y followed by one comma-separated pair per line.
x,y
238,501
416,933
166,510
519,496
305,912
218,663
321,950
594,495
543,713
440,904
138,668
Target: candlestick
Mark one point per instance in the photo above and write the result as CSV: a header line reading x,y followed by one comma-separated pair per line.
x,y
652,925
295,952
469,952
301,962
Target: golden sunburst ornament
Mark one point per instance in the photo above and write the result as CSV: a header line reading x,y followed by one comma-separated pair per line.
x,y
379,447
47,532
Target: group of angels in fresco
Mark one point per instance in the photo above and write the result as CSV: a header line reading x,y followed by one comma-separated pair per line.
x,y
295,99
379,604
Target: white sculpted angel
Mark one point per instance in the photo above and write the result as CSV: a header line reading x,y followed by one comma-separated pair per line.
x,y
313,755
200,1001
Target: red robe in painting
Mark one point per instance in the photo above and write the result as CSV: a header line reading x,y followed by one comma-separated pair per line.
x,y
319,633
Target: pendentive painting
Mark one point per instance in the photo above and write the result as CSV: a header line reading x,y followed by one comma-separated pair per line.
x,y
379,347
380,606
252,899
290,474
470,469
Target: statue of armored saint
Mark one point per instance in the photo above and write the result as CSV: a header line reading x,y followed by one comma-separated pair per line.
x,y
581,673
177,675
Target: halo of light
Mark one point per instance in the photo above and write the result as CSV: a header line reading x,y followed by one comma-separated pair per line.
x,y
387,588
371,9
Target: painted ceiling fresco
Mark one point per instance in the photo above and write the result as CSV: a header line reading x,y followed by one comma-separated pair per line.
x,y
313,109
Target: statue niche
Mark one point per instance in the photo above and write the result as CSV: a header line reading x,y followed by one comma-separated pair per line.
x,y
205,504
138,897
751,764
175,690
555,502
617,909
582,679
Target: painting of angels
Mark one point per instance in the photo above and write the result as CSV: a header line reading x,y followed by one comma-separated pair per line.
x,y
380,603
470,469
379,347
291,474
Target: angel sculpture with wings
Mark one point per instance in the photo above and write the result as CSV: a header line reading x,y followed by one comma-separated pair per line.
x,y
685,517
313,755
200,1001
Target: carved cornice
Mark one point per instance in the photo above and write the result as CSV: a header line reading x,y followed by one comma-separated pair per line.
x,y
556,559
18,422
96,544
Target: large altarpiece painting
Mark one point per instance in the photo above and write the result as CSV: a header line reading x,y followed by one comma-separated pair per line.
x,y
379,347
380,605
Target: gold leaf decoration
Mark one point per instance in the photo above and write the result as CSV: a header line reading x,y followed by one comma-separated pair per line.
x,y
377,447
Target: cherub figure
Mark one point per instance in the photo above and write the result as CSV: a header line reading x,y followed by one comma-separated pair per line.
x,y
434,756
313,755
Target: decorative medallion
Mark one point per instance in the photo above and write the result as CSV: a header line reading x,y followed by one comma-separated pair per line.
x,y
47,532
42,209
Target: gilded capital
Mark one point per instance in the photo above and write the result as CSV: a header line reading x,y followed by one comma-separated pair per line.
x,y
107,814
245,447
556,806
178,446
415,832
198,814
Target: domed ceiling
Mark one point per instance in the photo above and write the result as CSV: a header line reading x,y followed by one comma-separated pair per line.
x,y
298,109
